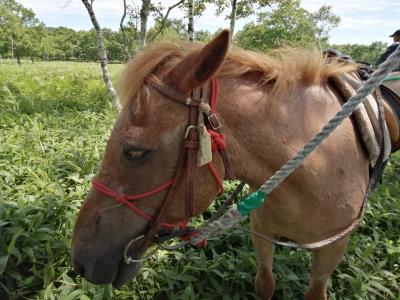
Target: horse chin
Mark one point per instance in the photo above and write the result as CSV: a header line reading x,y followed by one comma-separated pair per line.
x,y
126,273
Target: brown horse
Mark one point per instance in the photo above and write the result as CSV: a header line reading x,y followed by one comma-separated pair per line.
x,y
270,106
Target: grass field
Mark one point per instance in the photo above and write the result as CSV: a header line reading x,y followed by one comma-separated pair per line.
x,y
55,118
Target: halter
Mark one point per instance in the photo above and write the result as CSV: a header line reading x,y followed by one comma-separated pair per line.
x,y
187,162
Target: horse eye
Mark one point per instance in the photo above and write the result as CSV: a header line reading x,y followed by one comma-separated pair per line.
x,y
135,154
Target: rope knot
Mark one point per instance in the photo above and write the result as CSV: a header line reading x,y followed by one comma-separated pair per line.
x,y
187,237
217,140
204,107
121,198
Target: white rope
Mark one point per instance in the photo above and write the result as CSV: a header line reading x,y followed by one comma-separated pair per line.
x,y
347,109
233,216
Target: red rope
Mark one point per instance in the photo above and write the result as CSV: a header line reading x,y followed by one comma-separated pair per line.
x,y
151,192
217,142
214,95
125,199
214,173
109,192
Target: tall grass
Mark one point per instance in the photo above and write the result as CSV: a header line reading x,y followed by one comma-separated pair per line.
x,y
54,121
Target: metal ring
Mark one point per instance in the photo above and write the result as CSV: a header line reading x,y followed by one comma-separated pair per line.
x,y
188,130
128,260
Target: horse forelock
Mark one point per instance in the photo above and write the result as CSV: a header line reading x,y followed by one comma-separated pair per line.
x,y
286,67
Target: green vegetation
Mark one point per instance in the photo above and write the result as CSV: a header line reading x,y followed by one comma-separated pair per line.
x,y
363,53
288,23
55,118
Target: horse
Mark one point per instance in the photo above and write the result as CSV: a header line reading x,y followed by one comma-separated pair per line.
x,y
270,105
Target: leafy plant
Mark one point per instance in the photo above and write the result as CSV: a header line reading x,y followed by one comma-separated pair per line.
x,y
54,122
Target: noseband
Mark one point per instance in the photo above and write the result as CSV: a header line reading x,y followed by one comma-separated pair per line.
x,y
188,160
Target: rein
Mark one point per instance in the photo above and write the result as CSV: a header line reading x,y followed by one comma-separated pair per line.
x,y
187,164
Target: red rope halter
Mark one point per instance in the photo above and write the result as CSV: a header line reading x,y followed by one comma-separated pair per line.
x,y
217,143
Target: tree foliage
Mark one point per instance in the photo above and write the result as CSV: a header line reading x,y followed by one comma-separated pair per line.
x,y
363,53
288,23
278,22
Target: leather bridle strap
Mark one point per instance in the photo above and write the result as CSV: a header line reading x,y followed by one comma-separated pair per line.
x,y
155,223
171,92
187,161
191,145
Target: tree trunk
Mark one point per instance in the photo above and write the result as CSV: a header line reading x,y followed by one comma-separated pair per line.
x,y
190,23
103,56
164,20
144,13
121,26
12,47
18,57
233,18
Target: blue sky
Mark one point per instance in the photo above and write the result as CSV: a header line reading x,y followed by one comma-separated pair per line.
x,y
363,21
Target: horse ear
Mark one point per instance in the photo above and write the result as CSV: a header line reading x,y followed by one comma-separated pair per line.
x,y
200,65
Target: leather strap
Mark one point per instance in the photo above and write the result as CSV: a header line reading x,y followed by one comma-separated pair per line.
x,y
187,163
191,157
171,92
393,100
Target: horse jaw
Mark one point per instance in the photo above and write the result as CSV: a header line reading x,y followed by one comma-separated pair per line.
x,y
126,272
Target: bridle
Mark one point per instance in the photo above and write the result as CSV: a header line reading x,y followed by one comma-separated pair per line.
x,y
200,103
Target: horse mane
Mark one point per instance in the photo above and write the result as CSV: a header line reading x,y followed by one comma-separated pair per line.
x,y
284,67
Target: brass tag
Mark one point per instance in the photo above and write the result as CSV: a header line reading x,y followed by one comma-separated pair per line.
x,y
204,154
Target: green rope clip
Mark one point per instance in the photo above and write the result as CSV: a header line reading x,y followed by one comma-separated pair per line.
x,y
251,202
391,79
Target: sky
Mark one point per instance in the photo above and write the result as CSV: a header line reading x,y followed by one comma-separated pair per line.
x,y
362,21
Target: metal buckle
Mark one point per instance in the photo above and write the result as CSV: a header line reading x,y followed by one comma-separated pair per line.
x,y
214,122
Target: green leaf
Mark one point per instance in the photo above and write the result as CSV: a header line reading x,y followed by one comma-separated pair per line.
x,y
11,245
3,263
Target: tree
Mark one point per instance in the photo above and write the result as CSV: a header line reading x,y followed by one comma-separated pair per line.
x,y
103,56
122,29
190,20
173,30
363,53
324,20
16,21
239,9
161,22
287,23
144,14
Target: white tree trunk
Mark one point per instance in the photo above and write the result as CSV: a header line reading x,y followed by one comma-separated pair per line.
x,y
233,18
190,23
144,13
121,26
103,57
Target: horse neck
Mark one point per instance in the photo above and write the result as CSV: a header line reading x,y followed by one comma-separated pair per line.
x,y
249,117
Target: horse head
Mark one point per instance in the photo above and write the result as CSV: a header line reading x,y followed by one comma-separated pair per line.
x,y
141,187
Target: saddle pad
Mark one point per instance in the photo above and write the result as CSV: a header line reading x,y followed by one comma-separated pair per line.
x,y
366,117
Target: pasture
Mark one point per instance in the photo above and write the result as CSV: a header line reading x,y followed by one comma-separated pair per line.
x,y
55,118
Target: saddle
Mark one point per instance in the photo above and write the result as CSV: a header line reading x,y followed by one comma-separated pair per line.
x,y
375,134
392,114
366,117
